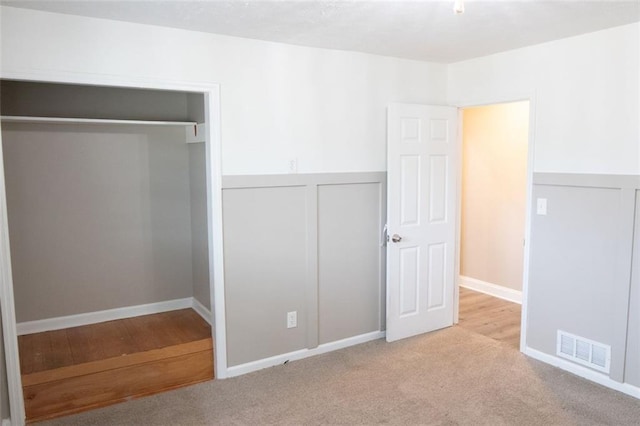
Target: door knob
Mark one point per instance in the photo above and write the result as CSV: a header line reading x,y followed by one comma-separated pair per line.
x,y
396,238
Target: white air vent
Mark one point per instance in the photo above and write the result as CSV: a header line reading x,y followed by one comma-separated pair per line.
x,y
584,351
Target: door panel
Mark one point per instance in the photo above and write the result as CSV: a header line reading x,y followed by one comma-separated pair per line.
x,y
438,188
437,276
410,190
409,279
422,165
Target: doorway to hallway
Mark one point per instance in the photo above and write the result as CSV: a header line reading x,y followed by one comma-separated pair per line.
x,y
495,146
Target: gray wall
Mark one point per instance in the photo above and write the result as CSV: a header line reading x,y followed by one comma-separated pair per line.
x,y
195,107
67,100
99,217
199,228
198,187
350,282
580,263
632,371
4,390
265,270
305,243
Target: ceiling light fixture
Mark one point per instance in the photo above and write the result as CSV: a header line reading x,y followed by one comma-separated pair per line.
x,y
458,7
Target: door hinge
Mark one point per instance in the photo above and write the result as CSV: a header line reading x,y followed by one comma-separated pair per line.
x,y
385,235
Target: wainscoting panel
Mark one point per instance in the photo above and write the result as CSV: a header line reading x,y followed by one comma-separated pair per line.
x,y
309,243
265,254
632,368
349,279
580,266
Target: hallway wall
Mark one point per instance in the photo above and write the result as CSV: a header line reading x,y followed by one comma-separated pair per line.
x,y
494,175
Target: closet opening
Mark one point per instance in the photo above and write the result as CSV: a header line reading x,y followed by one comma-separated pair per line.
x,y
108,219
493,214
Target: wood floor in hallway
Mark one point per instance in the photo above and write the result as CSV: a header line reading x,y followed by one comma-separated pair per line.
x,y
490,316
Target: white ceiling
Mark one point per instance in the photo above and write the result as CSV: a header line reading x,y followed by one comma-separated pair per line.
x,y
422,30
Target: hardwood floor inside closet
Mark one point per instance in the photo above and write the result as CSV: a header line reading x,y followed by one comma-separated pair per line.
x,y
490,316
80,368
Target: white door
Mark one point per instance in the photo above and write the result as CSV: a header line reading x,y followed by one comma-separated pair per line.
x,y
422,167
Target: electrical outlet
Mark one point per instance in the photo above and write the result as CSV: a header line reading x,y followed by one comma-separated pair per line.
x,y
293,165
292,319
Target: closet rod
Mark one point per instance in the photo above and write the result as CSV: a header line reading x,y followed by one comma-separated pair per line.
x,y
62,120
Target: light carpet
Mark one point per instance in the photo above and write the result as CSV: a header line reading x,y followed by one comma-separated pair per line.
x,y
449,377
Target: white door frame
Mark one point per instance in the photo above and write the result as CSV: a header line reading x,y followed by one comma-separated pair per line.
x,y
531,97
211,92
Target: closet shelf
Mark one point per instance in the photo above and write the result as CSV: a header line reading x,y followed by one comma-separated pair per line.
x,y
62,120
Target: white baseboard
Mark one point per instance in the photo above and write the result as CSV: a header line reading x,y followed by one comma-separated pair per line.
x,y
584,372
202,311
59,323
494,290
6,422
303,353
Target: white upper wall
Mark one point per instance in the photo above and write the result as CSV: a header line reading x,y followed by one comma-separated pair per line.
x,y
325,108
328,108
586,92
